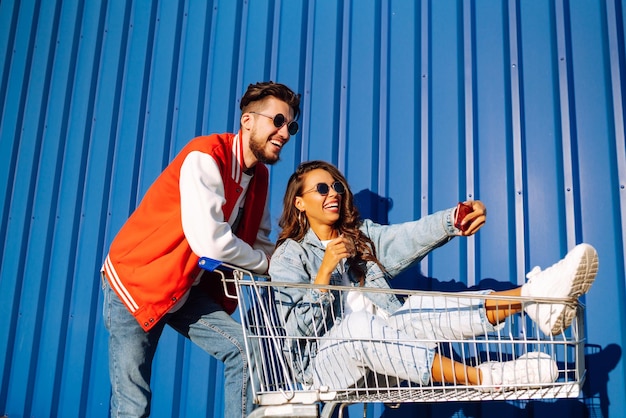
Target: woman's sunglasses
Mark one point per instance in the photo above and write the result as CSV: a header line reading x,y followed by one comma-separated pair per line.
x,y
279,120
323,188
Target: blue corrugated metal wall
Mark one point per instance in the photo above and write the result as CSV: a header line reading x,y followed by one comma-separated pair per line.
x,y
421,103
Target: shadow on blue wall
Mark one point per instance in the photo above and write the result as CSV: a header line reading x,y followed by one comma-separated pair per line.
x,y
372,206
599,361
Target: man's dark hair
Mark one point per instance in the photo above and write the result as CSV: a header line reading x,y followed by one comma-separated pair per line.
x,y
259,91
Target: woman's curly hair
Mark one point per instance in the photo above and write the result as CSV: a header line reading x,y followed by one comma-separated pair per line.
x,y
295,225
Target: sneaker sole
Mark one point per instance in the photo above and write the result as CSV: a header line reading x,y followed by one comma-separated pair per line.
x,y
585,275
531,370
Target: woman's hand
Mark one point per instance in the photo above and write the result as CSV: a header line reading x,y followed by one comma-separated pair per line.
x,y
336,250
474,220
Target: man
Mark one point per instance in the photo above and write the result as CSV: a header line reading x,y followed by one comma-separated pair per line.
x,y
210,201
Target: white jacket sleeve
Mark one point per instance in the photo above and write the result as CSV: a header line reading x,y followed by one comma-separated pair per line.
x,y
263,240
204,226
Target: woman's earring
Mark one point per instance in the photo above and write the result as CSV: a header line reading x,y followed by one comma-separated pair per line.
x,y
300,221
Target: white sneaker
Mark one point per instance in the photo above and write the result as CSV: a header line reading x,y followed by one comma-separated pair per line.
x,y
528,370
569,278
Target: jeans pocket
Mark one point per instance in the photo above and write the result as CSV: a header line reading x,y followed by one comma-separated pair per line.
x,y
106,302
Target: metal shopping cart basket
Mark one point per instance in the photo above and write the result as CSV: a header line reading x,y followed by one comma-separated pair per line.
x,y
275,357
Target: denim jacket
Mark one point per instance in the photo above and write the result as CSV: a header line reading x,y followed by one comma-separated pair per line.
x,y
311,313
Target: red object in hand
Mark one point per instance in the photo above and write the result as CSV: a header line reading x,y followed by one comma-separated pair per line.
x,y
461,211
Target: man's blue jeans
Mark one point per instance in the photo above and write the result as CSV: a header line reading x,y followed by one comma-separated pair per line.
x,y
131,351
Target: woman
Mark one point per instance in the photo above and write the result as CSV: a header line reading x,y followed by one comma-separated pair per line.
x,y
323,241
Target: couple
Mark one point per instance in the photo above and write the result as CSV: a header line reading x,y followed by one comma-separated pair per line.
x,y
211,200
324,242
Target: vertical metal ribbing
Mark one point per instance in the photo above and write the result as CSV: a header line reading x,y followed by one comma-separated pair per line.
x,y
617,93
342,153
210,58
425,115
308,82
517,145
241,58
275,39
383,107
566,123
9,154
469,115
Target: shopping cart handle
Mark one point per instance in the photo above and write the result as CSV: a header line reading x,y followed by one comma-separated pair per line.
x,y
211,264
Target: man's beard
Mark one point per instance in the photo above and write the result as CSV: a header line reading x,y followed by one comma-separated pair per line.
x,y
258,149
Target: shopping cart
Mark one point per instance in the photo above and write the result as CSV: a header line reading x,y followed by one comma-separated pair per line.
x,y
276,357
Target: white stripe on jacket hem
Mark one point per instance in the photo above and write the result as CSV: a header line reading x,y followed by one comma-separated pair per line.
x,y
116,283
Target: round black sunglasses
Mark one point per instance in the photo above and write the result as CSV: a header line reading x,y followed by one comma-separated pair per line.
x,y
280,120
323,188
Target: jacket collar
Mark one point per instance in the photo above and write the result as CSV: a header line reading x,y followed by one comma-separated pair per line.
x,y
311,238
237,163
